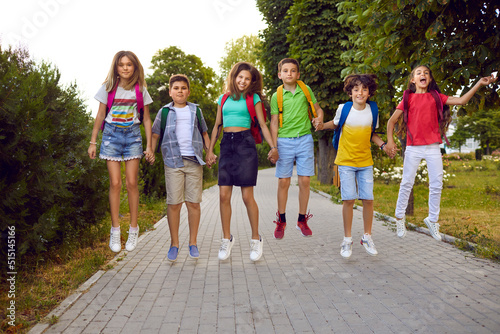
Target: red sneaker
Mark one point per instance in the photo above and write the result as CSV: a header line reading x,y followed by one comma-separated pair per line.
x,y
279,232
303,228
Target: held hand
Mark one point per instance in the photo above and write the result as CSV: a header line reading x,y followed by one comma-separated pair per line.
x,y
391,152
273,155
211,159
317,122
92,151
150,156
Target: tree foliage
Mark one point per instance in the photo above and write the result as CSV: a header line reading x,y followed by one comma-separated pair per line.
x,y
274,37
245,48
204,92
50,189
458,39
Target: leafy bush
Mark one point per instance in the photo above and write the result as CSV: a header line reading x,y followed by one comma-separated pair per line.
x,y
50,188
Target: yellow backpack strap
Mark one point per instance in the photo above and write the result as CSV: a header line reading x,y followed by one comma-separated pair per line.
x,y
303,86
279,95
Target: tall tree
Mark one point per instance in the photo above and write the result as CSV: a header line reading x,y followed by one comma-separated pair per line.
x,y
317,40
245,48
274,37
204,92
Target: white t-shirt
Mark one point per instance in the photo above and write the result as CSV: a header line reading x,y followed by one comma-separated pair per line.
x,y
183,131
355,137
124,112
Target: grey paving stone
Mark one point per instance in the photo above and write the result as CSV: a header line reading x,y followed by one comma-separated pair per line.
x,y
301,285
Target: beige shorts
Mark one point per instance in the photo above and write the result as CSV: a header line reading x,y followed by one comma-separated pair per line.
x,y
185,183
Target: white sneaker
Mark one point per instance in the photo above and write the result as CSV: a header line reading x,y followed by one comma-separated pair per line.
x,y
132,240
346,249
256,249
433,228
225,248
401,228
115,242
369,245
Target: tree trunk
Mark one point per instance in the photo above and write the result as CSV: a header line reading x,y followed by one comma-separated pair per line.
x,y
326,157
411,207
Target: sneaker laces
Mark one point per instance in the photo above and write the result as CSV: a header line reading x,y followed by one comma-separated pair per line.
x,y
345,245
281,225
254,245
435,227
132,237
400,225
224,246
369,241
307,217
115,238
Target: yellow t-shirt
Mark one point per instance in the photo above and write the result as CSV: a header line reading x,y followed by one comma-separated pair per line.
x,y
355,137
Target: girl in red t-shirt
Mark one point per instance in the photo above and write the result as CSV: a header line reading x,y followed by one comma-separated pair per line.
x,y
423,132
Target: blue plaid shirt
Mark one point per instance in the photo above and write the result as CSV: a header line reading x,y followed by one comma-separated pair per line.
x,y
170,148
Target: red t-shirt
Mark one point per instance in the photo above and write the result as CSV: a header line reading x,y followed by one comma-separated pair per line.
x,y
423,125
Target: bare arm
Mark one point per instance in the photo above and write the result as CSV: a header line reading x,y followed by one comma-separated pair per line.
x,y
211,157
273,153
101,114
391,145
452,100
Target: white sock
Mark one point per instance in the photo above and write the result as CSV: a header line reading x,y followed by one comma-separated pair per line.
x,y
115,229
134,229
348,239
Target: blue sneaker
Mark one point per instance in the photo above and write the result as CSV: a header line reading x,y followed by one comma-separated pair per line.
x,y
193,252
172,254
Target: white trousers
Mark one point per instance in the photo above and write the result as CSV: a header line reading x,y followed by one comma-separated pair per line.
x,y
413,157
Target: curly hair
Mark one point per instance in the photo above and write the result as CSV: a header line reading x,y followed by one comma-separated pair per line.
x,y
366,80
444,123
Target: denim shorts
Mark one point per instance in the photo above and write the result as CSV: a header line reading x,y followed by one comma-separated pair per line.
x,y
121,144
295,149
238,162
356,182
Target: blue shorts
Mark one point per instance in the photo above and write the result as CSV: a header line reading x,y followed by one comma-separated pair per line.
x,y
121,144
356,182
298,149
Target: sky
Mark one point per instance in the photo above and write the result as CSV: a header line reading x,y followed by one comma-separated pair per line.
x,y
80,37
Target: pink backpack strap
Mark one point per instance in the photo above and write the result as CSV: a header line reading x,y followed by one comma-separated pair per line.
x,y
111,99
139,98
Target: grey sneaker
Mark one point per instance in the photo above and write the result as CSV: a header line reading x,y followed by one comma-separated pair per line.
x,y
256,249
115,242
225,248
369,245
401,228
132,240
346,249
433,228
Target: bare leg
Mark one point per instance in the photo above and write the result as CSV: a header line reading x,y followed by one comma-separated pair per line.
x,y
368,215
283,185
194,214
252,210
225,193
132,175
115,186
347,213
173,217
304,191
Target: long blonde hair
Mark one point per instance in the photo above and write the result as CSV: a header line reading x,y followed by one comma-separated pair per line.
x,y
138,76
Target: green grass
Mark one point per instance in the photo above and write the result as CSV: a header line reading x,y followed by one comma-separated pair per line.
x,y
470,203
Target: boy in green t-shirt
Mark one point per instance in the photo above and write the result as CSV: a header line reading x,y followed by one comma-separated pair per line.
x,y
295,143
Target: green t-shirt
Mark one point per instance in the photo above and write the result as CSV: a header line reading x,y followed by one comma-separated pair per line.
x,y
295,115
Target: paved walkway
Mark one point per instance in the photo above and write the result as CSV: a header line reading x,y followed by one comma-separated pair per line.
x,y
301,285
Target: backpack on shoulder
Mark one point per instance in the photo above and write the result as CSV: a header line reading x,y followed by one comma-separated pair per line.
x,y
311,110
138,97
439,105
255,125
336,134
163,124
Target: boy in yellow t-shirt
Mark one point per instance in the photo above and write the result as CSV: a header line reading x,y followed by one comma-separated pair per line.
x,y
354,158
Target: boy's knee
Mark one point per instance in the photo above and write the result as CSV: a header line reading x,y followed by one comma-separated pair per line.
x,y
349,203
284,183
193,206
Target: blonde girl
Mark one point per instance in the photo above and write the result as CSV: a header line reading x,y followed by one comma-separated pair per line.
x,y
238,162
121,138
423,130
